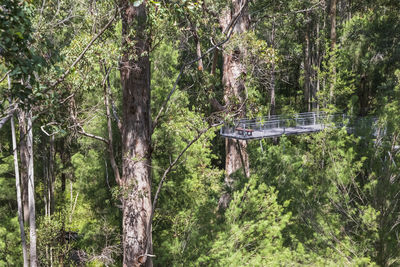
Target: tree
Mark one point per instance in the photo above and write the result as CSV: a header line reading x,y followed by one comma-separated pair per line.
x,y
136,138
234,73
18,188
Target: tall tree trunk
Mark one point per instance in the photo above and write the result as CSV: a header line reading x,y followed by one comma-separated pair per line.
x,y
136,139
18,187
316,88
272,88
198,48
234,73
51,175
24,155
31,192
107,93
307,65
65,160
333,45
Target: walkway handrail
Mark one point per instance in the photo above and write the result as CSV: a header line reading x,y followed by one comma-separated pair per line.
x,y
279,123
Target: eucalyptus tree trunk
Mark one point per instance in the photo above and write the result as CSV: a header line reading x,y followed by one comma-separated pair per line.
x,y
307,65
234,73
333,44
272,87
136,138
18,187
316,87
31,192
24,156
51,175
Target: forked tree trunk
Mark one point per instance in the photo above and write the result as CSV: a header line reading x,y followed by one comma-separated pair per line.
x,y
19,200
234,73
18,187
136,160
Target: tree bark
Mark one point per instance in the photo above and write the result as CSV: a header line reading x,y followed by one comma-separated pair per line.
x,y
31,192
234,73
316,88
51,175
18,187
136,138
65,159
333,45
272,88
198,48
307,65
24,155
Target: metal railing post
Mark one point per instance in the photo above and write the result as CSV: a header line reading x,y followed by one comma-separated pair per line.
x,y
314,118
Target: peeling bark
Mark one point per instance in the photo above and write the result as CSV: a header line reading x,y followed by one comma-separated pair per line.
x,y
23,151
136,141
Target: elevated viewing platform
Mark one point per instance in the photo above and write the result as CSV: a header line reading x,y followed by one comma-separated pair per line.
x,y
278,125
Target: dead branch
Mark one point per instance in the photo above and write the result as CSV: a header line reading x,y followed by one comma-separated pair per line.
x,y
82,132
5,76
11,110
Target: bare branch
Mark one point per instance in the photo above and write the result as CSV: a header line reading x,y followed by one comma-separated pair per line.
x,y
10,113
5,119
82,132
49,124
5,76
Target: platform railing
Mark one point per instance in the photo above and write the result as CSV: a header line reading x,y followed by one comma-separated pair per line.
x,y
278,124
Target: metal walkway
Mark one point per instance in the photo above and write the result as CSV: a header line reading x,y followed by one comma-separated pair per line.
x,y
278,125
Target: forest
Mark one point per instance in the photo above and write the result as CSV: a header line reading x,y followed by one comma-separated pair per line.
x,y
110,144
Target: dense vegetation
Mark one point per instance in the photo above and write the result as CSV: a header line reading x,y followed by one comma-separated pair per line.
x,y
117,107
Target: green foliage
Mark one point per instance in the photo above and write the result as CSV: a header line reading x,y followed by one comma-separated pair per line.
x,y
326,199
188,198
252,233
10,248
10,244
368,57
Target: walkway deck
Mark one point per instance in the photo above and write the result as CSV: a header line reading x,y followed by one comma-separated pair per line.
x,y
275,126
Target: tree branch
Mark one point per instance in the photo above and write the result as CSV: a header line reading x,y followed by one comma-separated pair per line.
x,y
10,113
5,76
82,132
5,119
